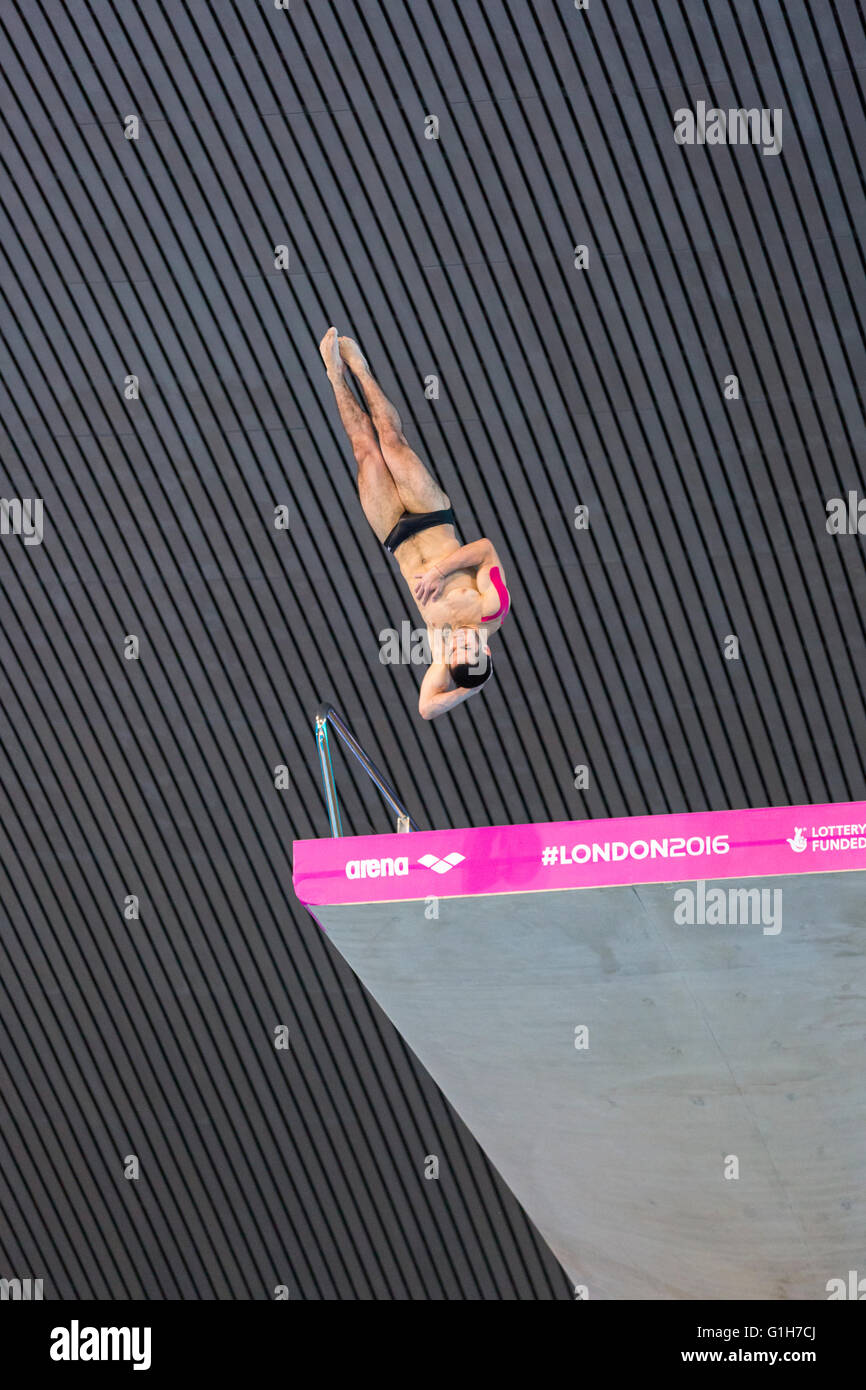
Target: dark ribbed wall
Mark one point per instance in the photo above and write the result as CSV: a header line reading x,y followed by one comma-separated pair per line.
x,y
559,387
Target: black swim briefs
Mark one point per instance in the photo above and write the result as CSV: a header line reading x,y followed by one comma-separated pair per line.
x,y
411,523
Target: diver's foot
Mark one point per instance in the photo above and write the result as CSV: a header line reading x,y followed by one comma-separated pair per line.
x,y
353,357
329,347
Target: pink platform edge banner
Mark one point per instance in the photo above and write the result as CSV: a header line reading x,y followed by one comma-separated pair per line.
x,y
581,854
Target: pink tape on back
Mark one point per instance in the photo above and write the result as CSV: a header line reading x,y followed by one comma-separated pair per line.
x,y
504,600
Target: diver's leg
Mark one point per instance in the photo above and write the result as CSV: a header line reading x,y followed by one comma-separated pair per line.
x,y
418,488
377,490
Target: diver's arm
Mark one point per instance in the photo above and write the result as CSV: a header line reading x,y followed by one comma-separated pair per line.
x,y
472,556
438,694
468,557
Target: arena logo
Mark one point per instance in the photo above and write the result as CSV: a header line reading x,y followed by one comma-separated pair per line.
x,y
713,126
377,868
441,866
675,847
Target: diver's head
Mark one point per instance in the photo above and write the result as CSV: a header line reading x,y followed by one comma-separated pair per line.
x,y
469,658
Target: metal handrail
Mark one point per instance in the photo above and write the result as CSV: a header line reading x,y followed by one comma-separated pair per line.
x,y
326,715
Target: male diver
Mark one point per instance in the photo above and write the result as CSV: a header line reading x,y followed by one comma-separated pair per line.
x,y
459,590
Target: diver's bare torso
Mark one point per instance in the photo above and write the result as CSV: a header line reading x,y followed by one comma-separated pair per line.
x,y
460,601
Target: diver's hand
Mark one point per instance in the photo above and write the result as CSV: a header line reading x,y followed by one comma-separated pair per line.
x,y
428,586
